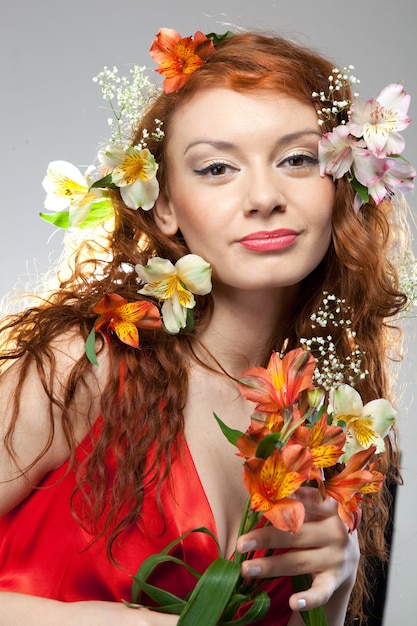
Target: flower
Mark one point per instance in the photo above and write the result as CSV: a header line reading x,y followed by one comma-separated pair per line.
x,y
368,147
134,171
124,318
66,188
271,482
348,486
278,386
179,57
378,121
336,152
324,442
366,425
382,176
175,286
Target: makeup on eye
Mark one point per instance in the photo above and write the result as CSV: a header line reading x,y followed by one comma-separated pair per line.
x,y
216,169
299,160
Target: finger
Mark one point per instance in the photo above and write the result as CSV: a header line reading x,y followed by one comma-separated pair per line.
x,y
288,563
312,534
315,506
320,592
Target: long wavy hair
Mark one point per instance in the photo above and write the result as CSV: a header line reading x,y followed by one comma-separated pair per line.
x,y
142,403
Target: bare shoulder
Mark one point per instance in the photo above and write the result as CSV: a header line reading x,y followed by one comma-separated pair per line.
x,y
31,428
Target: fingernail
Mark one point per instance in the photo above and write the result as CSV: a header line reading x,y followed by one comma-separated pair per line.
x,y
248,546
253,571
301,604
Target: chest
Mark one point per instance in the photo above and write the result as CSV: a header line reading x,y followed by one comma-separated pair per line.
x,y
219,468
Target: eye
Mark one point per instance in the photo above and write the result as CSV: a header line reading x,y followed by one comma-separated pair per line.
x,y
297,161
214,169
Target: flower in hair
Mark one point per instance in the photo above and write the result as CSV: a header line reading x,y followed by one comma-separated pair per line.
x,y
365,425
70,196
179,57
116,314
175,286
368,147
134,172
378,121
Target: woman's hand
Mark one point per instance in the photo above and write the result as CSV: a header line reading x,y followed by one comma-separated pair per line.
x,y
323,548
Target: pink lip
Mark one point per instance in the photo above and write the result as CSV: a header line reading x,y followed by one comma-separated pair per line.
x,y
269,240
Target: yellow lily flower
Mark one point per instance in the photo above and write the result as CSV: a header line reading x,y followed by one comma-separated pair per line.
x,y
124,318
134,172
175,286
67,188
366,425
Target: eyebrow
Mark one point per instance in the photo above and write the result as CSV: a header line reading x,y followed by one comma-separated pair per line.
x,y
227,145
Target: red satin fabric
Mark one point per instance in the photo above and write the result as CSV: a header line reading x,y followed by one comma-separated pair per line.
x,y
45,552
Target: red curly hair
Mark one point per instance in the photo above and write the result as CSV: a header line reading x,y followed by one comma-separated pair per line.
x,y
154,380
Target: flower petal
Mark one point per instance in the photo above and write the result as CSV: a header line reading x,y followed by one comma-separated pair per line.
x,y
127,333
155,270
140,194
195,273
174,316
345,402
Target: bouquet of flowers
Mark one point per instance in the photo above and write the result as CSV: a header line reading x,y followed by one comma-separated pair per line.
x,y
293,437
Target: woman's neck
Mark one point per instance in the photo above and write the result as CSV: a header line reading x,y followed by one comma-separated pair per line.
x,y
242,327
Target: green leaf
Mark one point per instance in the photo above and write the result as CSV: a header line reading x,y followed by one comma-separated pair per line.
x,y
267,445
101,210
106,182
231,434
216,39
313,617
218,582
257,610
189,324
90,347
360,189
173,609
149,564
60,219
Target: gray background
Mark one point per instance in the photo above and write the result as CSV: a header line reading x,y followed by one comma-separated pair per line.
x,y
50,109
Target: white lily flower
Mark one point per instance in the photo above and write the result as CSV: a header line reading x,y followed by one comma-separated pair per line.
x,y
382,176
67,188
378,121
134,172
366,425
174,285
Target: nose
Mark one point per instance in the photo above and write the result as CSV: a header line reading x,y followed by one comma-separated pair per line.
x,y
264,193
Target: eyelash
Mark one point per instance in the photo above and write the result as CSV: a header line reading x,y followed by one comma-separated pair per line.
x,y
210,169
308,160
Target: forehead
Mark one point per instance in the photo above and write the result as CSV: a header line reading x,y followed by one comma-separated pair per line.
x,y
222,111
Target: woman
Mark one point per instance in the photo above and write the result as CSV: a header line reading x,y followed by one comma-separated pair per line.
x,y
107,459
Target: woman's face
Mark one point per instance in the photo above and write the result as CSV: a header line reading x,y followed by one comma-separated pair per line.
x,y
244,188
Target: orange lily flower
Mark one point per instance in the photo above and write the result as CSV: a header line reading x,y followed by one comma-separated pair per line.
x,y
349,487
278,386
124,318
271,481
179,57
324,442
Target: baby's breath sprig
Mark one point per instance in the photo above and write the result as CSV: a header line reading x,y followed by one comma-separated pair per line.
x,y
407,271
331,371
336,100
128,98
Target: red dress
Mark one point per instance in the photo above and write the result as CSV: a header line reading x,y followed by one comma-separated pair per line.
x,y
45,552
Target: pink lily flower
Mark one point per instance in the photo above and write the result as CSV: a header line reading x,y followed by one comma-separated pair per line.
x,y
378,121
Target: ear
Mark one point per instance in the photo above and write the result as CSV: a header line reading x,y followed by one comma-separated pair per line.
x,y
165,217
